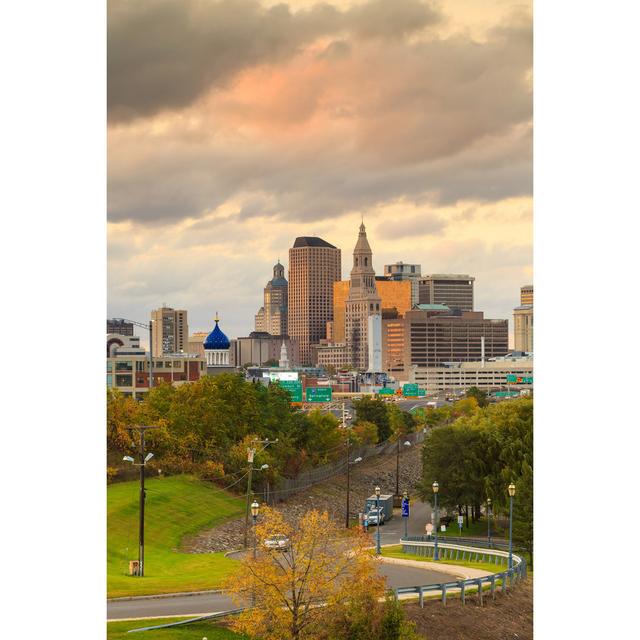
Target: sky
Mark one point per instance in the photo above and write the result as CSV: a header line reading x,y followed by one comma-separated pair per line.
x,y
235,126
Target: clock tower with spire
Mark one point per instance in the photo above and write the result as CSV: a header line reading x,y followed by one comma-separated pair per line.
x,y
362,302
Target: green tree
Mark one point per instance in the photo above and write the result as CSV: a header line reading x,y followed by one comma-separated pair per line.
x,y
523,510
479,395
374,410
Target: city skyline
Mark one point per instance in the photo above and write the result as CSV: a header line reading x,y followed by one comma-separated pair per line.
x,y
212,175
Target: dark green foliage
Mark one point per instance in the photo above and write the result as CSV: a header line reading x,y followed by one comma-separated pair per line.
x,y
479,395
478,455
374,410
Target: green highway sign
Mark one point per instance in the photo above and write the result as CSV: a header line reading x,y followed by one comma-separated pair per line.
x,y
506,394
386,392
514,379
422,393
319,394
410,390
294,387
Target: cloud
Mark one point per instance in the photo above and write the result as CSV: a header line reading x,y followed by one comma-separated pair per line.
x,y
164,54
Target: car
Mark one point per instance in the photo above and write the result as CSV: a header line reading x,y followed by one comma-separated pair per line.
x,y
373,517
277,542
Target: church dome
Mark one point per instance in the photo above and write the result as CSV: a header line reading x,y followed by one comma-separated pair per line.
x,y
216,339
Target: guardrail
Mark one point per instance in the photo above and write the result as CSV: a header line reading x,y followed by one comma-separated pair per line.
x,y
449,551
469,542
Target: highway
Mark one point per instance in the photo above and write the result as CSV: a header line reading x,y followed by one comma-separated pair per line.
x,y
202,604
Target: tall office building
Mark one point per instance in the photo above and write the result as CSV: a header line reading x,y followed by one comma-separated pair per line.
x,y
433,337
363,300
453,290
272,316
526,294
119,326
402,271
523,328
395,297
170,331
314,265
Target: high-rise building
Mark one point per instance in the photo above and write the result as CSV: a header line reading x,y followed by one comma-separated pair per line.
x,y
395,297
170,331
195,343
523,321
523,328
314,265
272,316
402,271
526,294
363,300
453,290
434,337
119,326
260,347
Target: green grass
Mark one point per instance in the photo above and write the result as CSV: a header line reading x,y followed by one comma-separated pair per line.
x,y
475,529
193,631
175,507
396,552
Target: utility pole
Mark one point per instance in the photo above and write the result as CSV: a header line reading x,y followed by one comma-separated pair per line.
x,y
251,452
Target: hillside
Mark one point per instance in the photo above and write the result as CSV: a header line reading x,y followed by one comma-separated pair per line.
x,y
175,507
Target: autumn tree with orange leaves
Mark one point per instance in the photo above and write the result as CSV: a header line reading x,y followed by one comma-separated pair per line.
x,y
303,591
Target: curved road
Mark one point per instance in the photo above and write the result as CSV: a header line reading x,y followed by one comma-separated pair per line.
x,y
396,575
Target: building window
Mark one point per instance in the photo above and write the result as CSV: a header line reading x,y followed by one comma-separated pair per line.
x,y
109,380
124,366
109,365
123,380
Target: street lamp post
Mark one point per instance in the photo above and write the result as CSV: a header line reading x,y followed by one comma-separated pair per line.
x,y
349,463
406,518
436,487
255,507
142,464
378,551
489,521
406,444
512,492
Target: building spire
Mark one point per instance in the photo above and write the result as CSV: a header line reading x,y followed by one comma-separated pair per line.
x,y
217,319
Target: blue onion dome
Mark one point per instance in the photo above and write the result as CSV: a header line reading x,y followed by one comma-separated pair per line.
x,y
216,339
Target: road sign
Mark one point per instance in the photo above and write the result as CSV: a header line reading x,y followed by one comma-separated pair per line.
x,y
460,520
514,379
410,390
318,394
294,387
405,507
386,392
422,393
443,528
429,528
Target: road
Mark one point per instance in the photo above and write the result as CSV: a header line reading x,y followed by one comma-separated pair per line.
x,y
396,576
393,530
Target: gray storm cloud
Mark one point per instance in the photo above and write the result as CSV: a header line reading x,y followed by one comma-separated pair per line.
x,y
164,54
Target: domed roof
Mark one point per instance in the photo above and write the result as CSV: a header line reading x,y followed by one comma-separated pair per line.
x,y
216,339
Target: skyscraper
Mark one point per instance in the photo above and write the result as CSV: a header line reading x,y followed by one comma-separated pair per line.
x,y
170,331
523,321
402,271
119,326
363,300
314,265
272,316
454,290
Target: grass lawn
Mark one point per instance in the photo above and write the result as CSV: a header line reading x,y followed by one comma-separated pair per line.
x,y
193,631
475,529
175,507
396,552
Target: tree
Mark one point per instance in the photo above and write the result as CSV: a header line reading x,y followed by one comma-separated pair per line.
x,y
523,510
364,432
374,410
300,591
479,395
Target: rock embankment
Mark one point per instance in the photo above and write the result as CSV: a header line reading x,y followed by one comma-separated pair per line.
x,y
329,496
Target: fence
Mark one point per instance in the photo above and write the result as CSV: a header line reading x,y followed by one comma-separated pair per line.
x,y
448,551
289,486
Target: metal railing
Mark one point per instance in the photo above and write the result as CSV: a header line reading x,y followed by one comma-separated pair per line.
x,y
448,551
